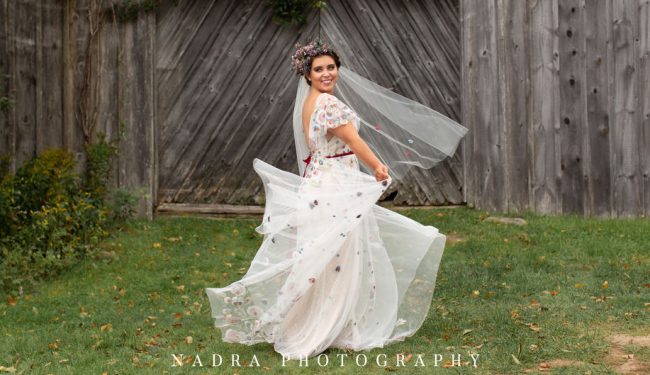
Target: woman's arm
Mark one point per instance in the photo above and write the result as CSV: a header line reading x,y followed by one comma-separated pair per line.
x,y
348,134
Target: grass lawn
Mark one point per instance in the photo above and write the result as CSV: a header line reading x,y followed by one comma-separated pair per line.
x,y
561,294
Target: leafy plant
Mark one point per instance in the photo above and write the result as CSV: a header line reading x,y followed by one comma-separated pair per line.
x,y
50,217
292,12
5,103
99,158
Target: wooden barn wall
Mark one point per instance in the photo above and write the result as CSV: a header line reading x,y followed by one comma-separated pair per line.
x,y
226,89
556,95
43,65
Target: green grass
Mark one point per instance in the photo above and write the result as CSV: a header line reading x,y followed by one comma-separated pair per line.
x,y
524,294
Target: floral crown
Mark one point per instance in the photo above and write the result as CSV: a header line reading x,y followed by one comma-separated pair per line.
x,y
303,55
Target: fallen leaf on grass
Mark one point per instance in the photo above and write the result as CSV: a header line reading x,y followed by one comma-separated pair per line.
x,y
533,327
7,369
515,359
11,301
189,339
601,298
106,327
156,245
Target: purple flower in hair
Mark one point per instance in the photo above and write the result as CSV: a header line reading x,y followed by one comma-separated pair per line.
x,y
304,54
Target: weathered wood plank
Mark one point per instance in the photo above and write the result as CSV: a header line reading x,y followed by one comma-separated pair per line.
x,y
598,194
210,209
517,150
572,103
7,129
25,80
544,116
108,120
625,129
136,108
468,98
488,126
69,67
50,77
644,100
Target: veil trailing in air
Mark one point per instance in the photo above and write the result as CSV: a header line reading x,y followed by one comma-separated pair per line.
x,y
401,132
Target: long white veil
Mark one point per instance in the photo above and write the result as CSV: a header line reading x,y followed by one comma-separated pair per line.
x,y
401,132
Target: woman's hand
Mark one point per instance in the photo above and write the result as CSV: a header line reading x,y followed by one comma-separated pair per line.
x,y
381,172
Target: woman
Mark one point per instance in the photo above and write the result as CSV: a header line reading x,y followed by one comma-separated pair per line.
x,y
335,270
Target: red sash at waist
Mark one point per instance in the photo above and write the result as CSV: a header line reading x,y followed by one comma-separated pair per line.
x,y
308,160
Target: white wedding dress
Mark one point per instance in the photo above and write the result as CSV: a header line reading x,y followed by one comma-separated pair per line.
x,y
334,269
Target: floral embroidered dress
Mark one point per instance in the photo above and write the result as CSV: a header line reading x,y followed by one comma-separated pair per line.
x,y
334,270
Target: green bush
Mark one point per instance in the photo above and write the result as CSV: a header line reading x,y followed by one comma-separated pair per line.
x,y
50,217
98,166
292,12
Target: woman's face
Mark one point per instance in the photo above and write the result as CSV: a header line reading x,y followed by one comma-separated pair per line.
x,y
323,74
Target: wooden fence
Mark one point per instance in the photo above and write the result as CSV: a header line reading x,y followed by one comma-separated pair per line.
x,y
185,88
70,75
556,95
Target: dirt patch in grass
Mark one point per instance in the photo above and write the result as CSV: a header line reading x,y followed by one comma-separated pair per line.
x,y
555,363
617,358
453,238
627,363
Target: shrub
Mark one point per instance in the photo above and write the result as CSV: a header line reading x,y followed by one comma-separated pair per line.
x,y
50,217
98,166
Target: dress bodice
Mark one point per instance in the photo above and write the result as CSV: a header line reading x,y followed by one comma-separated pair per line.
x,y
329,113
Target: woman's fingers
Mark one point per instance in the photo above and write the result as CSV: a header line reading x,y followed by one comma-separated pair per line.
x,y
381,173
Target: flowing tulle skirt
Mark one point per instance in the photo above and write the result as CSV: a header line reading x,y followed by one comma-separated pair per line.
x,y
334,269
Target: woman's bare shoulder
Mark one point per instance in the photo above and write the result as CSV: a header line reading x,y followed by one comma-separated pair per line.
x,y
309,106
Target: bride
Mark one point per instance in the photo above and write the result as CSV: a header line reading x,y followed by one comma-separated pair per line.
x,y
336,270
